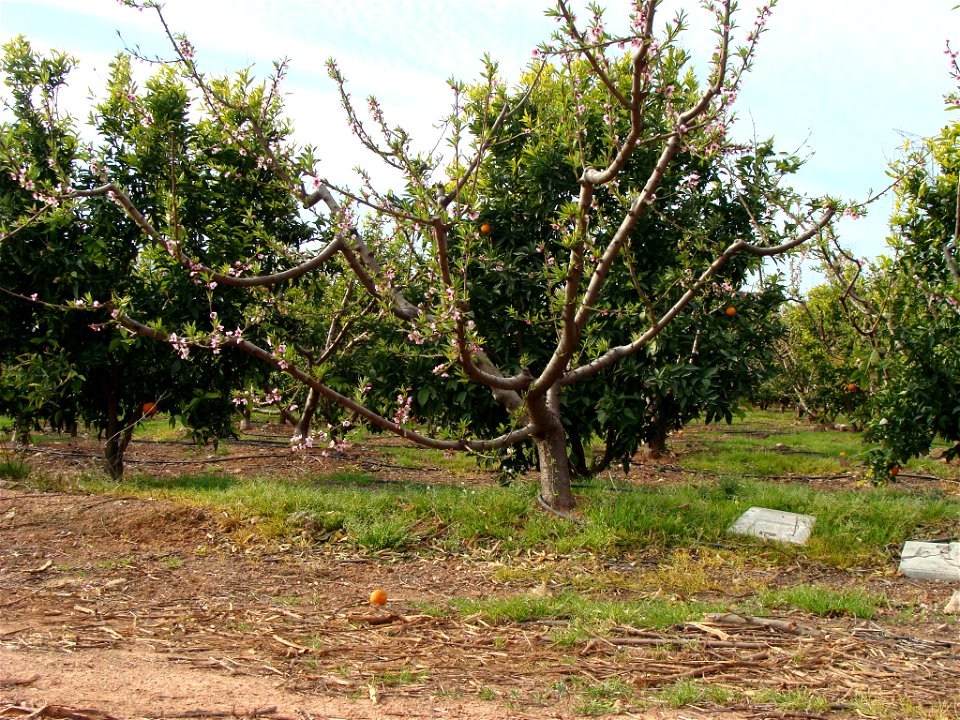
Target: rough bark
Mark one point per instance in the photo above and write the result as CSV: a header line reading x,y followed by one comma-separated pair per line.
x,y
656,445
306,418
119,434
555,488
543,410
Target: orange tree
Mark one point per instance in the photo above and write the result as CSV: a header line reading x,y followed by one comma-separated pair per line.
x,y
64,273
907,309
819,356
633,129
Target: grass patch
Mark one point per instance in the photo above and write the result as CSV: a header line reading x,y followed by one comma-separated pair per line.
x,y
587,616
14,469
413,456
605,697
854,528
825,602
691,692
799,700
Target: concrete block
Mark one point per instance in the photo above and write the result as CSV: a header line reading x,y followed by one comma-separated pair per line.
x,y
774,525
930,561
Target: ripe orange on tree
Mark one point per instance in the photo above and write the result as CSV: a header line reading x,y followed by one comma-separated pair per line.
x,y
378,597
895,470
731,311
149,409
485,228
852,387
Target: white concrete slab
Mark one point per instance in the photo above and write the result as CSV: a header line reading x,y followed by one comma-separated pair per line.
x,y
774,525
930,561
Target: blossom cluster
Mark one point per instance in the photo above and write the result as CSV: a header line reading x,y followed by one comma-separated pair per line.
x,y
402,414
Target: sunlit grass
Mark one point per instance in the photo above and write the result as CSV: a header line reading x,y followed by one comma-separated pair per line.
x,y
854,528
593,615
690,692
824,602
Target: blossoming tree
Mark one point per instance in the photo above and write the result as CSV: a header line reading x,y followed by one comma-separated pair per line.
x,y
620,160
63,361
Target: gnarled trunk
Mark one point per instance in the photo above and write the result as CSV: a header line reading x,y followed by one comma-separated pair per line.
x,y
555,488
656,443
113,452
551,442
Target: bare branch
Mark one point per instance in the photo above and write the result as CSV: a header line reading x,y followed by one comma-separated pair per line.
x,y
114,193
502,441
616,353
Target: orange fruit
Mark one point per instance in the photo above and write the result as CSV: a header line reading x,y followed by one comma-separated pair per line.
x,y
895,470
731,311
485,228
149,409
852,387
378,597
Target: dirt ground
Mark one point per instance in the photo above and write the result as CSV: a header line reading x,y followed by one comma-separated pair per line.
x,y
131,608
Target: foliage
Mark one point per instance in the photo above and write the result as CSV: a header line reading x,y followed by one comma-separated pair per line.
x,y
906,310
701,363
818,357
76,266
631,223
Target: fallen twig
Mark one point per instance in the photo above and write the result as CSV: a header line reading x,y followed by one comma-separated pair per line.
x,y
18,682
269,711
666,640
788,626
56,711
704,670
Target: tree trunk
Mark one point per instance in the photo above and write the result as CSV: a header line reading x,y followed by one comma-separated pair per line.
x,y
287,417
306,417
555,488
246,423
113,455
544,412
21,433
578,453
656,445
119,434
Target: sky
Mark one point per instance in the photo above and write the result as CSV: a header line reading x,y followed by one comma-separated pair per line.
x,y
843,81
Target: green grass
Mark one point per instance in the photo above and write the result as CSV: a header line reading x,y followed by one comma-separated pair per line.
x,y
854,528
767,450
586,615
605,697
690,692
413,456
825,601
13,469
801,701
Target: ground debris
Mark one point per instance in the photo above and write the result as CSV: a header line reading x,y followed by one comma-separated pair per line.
x,y
53,711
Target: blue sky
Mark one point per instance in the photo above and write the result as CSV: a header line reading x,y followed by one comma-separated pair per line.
x,y
841,76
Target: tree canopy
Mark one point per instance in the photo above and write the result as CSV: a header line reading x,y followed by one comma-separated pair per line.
x,y
574,265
